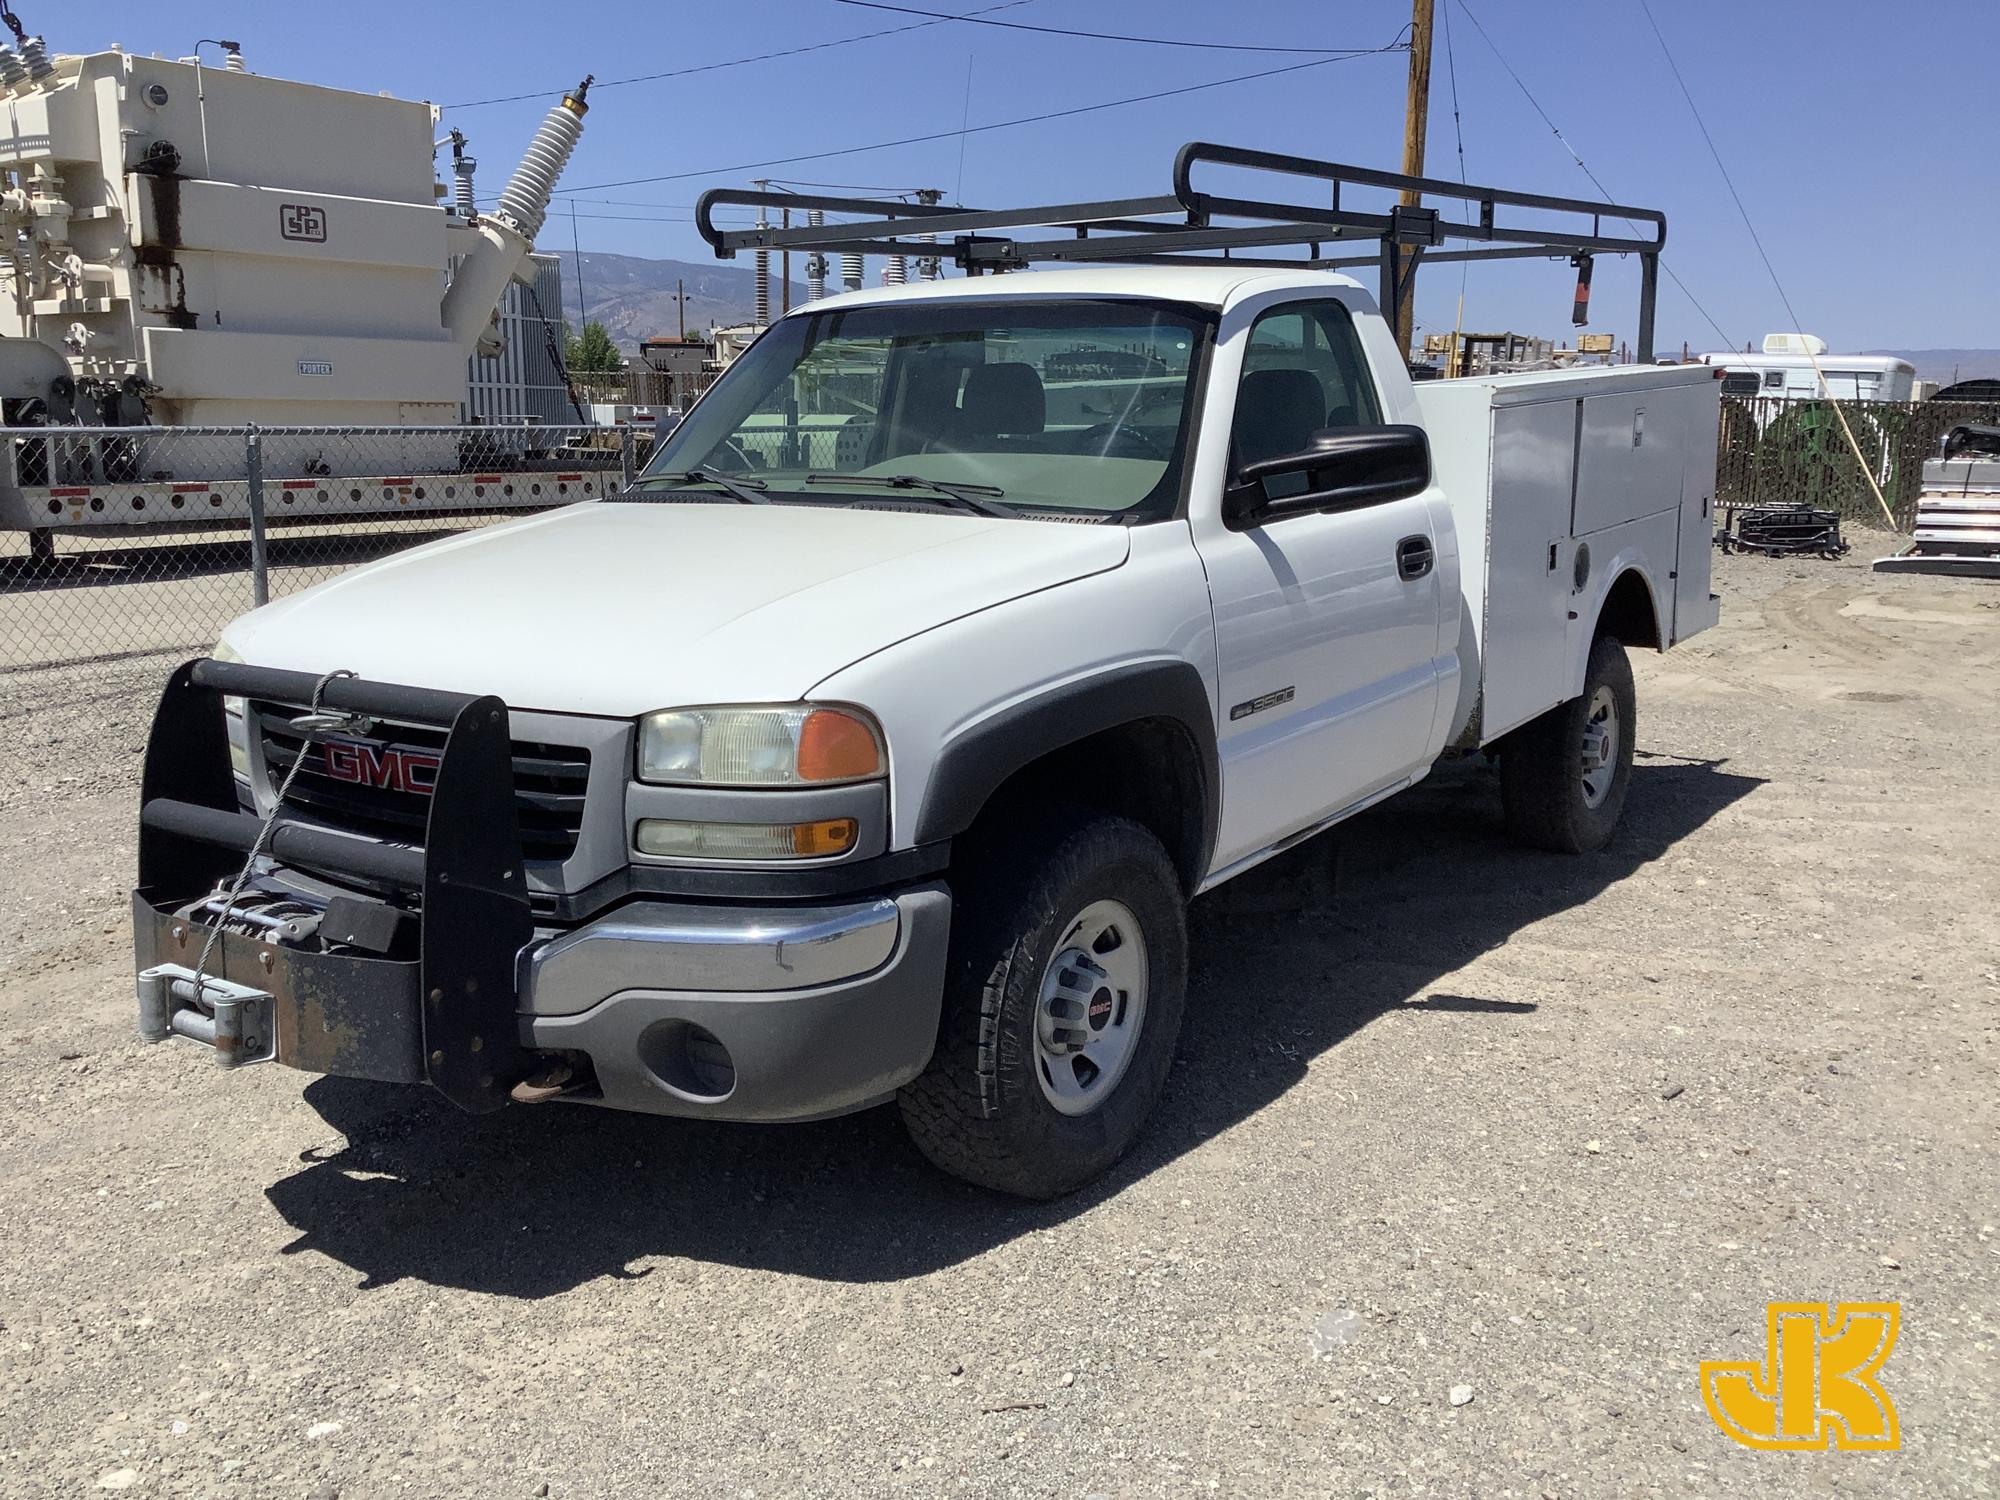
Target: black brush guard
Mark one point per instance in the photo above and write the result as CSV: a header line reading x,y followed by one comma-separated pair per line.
x,y
446,1017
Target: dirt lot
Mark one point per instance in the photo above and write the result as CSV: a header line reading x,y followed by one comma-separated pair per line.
x,y
1447,1114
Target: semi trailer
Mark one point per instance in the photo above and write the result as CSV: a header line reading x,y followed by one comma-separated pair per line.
x,y
193,246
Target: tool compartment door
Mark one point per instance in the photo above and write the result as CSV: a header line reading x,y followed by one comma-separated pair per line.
x,y
1524,653
1695,609
1630,448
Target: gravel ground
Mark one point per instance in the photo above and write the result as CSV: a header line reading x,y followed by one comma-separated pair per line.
x,y
1447,1114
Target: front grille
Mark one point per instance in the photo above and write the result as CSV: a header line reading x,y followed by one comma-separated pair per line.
x,y
549,783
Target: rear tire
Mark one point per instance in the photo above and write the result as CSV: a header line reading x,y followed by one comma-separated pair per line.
x,y
1062,1006
1564,776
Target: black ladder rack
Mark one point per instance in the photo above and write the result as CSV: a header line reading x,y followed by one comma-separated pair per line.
x,y
1181,226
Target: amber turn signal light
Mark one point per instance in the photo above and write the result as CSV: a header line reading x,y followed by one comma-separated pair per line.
x,y
836,746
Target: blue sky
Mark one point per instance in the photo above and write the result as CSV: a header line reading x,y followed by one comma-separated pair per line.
x,y
1858,134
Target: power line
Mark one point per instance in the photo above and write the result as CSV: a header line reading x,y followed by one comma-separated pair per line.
x,y
839,187
945,135
736,62
1726,180
555,350
1457,130
1867,469
964,120
1575,156
1451,72
640,218
975,19
683,212
646,203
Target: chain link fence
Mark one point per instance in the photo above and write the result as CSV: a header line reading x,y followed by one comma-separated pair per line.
x,y
119,544
640,385
1773,451
139,545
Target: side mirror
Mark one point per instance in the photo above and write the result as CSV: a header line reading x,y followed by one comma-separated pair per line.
x,y
1344,469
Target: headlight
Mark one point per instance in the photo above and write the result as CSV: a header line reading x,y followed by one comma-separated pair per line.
x,y
800,744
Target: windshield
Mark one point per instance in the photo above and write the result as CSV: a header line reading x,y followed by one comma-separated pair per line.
x,y
1076,406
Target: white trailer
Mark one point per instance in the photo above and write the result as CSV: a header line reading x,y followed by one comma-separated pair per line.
x,y
1797,367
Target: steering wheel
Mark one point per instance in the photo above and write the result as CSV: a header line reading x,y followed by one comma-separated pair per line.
x,y
1107,435
743,459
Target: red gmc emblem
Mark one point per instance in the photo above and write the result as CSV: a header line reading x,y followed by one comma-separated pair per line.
x,y
382,766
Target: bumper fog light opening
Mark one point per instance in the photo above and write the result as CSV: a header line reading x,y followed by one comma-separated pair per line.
x,y
688,1060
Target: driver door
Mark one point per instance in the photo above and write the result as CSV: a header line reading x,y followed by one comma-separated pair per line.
x,y
1326,625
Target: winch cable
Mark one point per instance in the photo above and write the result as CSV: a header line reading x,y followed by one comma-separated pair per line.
x,y
263,836
1867,471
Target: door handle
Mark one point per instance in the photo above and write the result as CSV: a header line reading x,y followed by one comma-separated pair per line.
x,y
1414,557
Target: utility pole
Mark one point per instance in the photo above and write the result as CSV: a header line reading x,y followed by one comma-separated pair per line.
x,y
1416,117
681,301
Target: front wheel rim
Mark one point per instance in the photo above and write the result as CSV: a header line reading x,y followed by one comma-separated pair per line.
x,y
1600,748
1091,1008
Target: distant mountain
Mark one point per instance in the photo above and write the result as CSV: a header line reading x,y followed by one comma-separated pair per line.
x,y
633,297
1946,365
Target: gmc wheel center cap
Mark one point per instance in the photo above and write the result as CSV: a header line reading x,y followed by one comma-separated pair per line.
x,y
1101,1006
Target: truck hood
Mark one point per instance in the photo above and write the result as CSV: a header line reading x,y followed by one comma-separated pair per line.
x,y
620,608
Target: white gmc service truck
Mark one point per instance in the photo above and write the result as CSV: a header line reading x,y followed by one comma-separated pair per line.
x,y
872,744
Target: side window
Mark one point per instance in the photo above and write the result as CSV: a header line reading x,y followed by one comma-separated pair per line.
x,y
1774,380
1302,371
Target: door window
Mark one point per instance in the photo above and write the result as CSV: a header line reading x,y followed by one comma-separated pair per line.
x,y
1303,371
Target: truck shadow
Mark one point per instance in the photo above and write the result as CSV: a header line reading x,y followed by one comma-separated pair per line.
x,y
1289,961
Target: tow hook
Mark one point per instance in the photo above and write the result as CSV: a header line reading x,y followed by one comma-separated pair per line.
x,y
551,1079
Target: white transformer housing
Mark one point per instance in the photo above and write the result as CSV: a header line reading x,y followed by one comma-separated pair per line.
x,y
208,246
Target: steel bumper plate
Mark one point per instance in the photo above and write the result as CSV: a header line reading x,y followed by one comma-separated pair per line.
x,y
352,1016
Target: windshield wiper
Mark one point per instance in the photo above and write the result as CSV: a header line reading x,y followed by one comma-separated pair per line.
x,y
739,487
980,499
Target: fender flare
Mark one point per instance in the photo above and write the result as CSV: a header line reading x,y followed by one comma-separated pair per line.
x,y
972,766
1625,562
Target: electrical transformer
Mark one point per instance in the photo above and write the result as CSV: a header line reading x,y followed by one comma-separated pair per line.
x,y
201,245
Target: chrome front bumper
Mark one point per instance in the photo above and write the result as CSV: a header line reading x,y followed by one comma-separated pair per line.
x,y
745,1013
709,948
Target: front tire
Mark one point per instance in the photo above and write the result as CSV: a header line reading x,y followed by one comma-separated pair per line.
x,y
1564,776
1062,1006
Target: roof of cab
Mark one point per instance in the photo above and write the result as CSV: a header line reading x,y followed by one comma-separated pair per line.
x,y
1212,285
